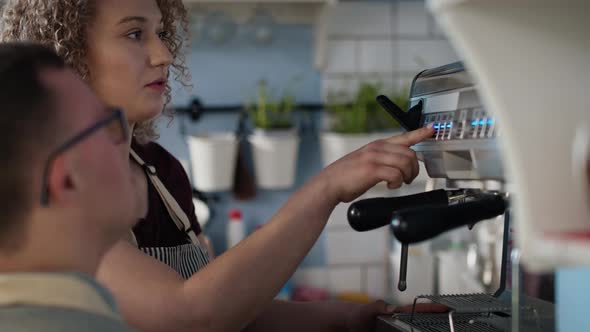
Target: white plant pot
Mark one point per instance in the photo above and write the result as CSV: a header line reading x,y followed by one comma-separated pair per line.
x,y
275,157
213,159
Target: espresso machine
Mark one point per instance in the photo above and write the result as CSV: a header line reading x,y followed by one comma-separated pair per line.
x,y
465,152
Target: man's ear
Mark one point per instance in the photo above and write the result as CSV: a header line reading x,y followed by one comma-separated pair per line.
x,y
60,182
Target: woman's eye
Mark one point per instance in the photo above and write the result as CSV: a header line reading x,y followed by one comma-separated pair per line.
x,y
134,35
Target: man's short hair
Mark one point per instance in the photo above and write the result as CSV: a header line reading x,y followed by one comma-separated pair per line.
x,y
28,120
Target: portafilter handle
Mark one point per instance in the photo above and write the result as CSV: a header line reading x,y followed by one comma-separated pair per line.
x,y
372,213
420,224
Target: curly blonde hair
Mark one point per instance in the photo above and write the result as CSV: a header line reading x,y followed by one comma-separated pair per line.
x,y
62,25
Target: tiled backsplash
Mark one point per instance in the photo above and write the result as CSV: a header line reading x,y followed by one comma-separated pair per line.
x,y
380,41
349,247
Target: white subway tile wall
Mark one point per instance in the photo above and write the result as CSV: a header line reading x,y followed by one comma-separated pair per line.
x,y
416,55
338,217
347,246
368,42
411,19
342,57
435,29
313,277
395,40
376,281
346,279
359,19
376,56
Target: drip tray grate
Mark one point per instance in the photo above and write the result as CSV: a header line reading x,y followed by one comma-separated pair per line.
x,y
470,303
440,322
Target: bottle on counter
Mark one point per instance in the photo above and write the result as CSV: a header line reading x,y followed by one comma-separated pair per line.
x,y
236,230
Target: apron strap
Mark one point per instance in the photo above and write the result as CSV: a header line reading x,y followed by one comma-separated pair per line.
x,y
53,290
174,210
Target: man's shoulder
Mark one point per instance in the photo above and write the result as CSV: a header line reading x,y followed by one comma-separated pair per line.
x,y
50,319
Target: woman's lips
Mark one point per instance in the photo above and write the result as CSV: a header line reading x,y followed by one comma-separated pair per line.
x,y
159,86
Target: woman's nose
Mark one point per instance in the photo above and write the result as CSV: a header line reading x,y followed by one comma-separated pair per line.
x,y
160,54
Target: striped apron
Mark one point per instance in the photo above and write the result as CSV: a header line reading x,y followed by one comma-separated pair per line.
x,y
186,259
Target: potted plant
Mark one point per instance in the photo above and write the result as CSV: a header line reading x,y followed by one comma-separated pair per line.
x,y
274,140
354,123
212,157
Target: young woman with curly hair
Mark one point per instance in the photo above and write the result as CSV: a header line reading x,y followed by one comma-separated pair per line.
x,y
128,51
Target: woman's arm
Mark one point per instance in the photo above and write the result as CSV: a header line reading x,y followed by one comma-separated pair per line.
x,y
233,289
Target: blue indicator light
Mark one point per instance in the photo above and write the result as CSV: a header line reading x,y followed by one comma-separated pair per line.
x,y
449,125
474,123
491,121
436,126
482,122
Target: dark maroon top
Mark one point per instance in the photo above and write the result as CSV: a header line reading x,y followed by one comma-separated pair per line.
x,y
158,229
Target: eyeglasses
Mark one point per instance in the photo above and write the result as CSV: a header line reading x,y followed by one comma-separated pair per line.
x,y
117,128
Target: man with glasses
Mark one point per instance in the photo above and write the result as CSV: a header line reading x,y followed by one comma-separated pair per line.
x,y
65,195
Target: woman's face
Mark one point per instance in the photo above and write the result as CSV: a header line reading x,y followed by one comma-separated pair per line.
x,y
128,59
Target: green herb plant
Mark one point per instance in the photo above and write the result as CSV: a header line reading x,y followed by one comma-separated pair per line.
x,y
363,114
271,114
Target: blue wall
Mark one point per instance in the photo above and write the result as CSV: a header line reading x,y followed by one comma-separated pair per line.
x,y
228,74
